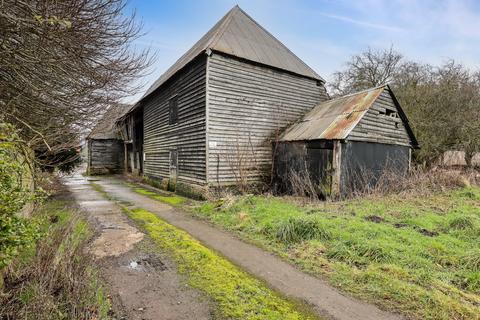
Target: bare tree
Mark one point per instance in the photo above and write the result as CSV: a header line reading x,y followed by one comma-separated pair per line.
x,y
368,69
62,63
442,103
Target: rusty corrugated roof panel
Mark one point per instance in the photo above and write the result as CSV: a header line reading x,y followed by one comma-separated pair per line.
x,y
239,35
333,119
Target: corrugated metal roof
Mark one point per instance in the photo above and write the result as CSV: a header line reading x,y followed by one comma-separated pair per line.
x,y
333,119
105,127
239,35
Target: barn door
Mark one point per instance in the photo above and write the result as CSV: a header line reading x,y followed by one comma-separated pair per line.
x,y
320,168
173,170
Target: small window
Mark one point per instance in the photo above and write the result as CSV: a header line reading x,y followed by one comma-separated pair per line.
x,y
391,113
173,110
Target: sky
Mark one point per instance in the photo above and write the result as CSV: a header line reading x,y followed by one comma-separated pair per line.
x,y
323,33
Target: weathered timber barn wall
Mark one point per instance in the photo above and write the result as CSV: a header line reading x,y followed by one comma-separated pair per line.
x,y
184,139
230,95
249,105
382,123
346,144
105,145
130,127
105,156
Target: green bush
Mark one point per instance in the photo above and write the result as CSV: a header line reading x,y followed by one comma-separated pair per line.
x,y
15,178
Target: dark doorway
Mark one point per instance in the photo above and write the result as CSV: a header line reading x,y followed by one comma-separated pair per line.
x,y
320,167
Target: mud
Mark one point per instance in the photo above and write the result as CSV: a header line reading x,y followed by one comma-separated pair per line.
x,y
143,284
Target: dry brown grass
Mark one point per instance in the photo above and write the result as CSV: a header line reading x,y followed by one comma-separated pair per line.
x,y
418,181
55,279
300,184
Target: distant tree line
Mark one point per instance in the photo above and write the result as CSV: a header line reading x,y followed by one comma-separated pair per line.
x,y
441,102
62,63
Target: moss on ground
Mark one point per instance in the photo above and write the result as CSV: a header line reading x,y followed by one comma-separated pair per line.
x,y
418,255
171,199
236,294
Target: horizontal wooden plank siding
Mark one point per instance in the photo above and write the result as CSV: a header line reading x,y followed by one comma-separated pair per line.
x,y
377,126
105,156
248,106
187,136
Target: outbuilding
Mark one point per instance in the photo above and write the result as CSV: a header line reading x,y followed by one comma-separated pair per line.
x,y
105,145
344,144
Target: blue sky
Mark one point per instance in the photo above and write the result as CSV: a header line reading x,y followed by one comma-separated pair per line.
x,y
324,33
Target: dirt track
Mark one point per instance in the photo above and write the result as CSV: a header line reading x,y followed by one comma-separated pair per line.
x,y
327,301
144,285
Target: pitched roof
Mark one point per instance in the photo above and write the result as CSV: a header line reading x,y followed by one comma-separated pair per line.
x,y
105,127
237,34
335,119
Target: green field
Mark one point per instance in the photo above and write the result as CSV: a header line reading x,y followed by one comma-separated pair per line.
x,y
416,255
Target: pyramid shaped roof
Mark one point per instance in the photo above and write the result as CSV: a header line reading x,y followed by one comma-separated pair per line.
x,y
237,34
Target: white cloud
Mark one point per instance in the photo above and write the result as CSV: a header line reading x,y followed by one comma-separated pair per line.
x,y
362,23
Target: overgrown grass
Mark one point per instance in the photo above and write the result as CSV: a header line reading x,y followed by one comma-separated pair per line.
x,y
416,255
236,294
55,278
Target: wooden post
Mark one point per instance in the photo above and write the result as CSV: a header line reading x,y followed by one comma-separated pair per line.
x,y
409,159
336,166
125,158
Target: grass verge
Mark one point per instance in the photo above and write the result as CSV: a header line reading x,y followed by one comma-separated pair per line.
x,y
236,294
416,255
55,279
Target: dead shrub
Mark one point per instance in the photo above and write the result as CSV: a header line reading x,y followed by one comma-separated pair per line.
x,y
417,181
247,170
300,184
55,280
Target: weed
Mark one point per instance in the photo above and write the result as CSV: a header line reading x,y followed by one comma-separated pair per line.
x,y
468,280
296,229
55,279
471,260
462,223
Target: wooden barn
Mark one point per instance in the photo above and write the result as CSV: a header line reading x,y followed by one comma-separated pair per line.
x,y
210,119
104,144
345,143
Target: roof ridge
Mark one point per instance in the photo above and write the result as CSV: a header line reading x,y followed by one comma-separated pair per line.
x,y
358,92
217,39
275,38
223,26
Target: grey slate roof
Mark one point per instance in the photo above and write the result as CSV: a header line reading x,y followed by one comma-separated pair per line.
x,y
237,34
105,127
